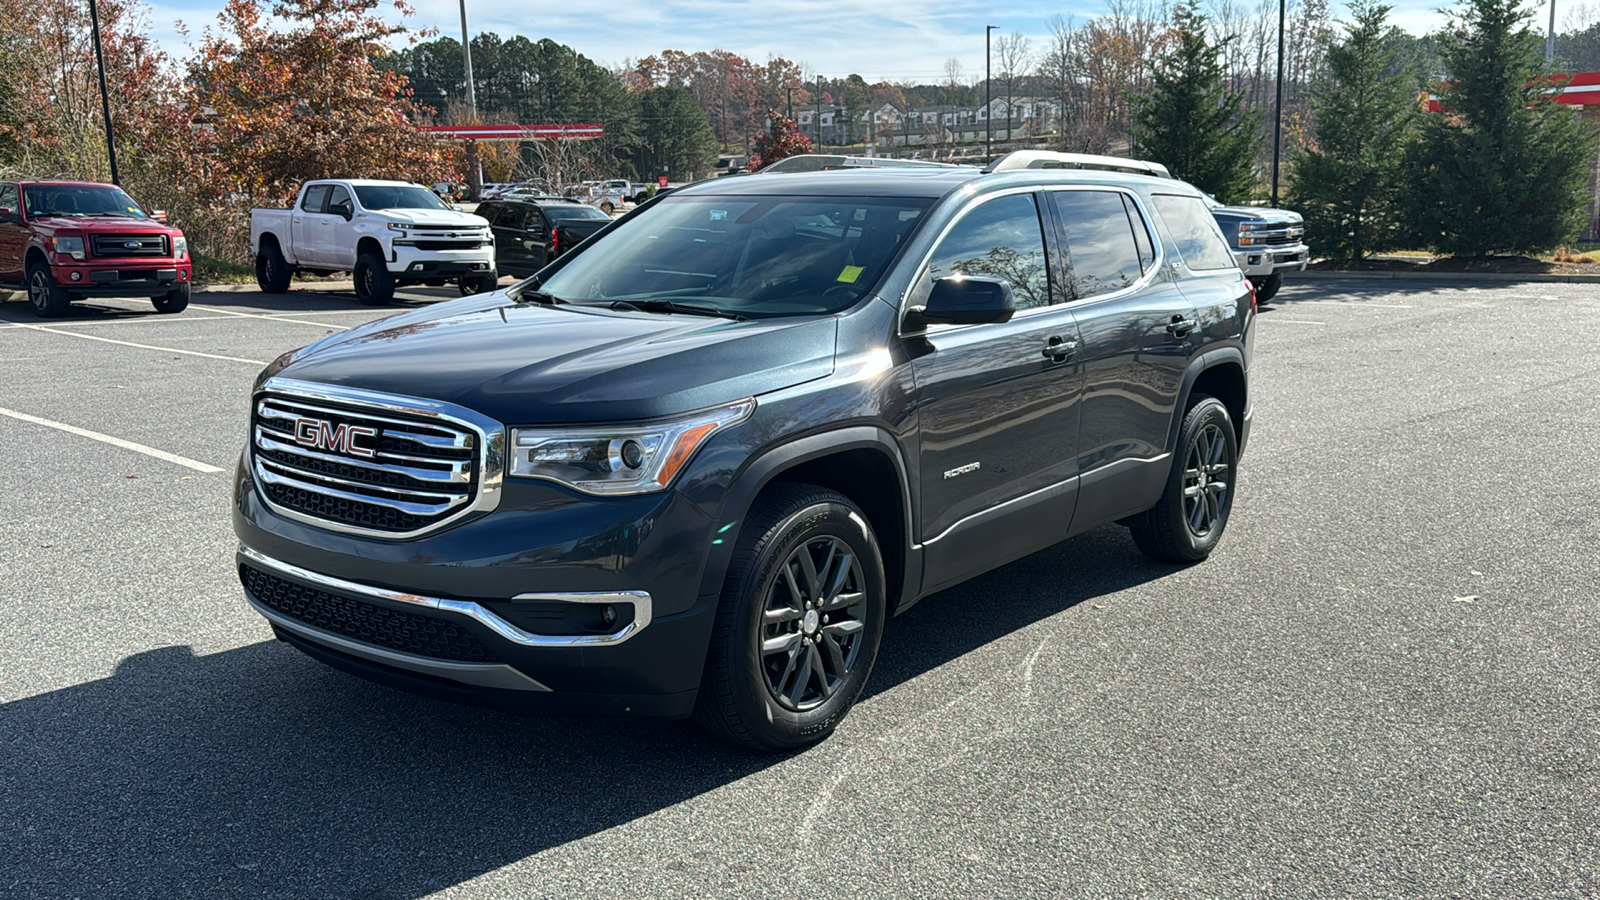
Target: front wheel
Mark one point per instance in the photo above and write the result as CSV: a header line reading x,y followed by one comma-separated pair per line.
x,y
374,284
173,301
50,300
1187,522
478,284
798,625
1267,288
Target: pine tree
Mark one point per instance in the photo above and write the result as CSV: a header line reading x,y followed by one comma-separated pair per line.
x,y
1191,123
1503,168
1348,183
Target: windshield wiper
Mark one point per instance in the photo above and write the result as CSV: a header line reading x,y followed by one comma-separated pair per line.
x,y
667,306
539,297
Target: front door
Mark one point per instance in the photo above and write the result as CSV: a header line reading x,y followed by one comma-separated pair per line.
x,y
307,223
13,237
997,404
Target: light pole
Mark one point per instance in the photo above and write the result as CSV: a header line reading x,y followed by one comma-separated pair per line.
x,y
988,101
1277,115
105,97
474,162
819,113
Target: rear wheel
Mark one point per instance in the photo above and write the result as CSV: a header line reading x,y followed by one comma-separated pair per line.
x,y
606,207
272,270
1187,522
798,625
374,284
173,301
49,300
1267,288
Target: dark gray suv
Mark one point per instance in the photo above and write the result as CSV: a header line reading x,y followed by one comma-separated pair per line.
x,y
695,466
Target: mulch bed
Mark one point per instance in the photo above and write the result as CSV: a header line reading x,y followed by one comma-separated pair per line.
x,y
1518,265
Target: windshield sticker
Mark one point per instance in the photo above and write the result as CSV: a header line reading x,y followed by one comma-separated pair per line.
x,y
718,215
851,273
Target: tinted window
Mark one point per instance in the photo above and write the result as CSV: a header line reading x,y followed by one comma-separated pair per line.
x,y
755,256
1194,232
8,197
1141,234
397,196
1000,239
316,198
339,197
575,212
1101,253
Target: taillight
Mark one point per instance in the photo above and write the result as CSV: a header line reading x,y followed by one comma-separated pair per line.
x,y
555,245
1251,286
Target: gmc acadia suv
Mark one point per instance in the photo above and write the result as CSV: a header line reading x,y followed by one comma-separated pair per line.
x,y
695,466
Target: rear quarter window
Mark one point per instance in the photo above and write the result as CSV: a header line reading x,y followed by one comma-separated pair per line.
x,y
1194,232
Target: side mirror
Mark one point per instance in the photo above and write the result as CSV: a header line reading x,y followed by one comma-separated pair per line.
x,y
965,300
345,210
160,215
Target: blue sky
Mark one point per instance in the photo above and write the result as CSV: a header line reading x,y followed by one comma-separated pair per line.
x,y
894,40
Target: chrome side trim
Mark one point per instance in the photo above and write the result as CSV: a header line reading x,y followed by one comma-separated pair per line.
x,y
489,434
640,601
490,675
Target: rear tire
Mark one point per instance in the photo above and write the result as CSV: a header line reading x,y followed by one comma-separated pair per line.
x,y
374,284
798,624
1187,522
272,270
49,300
1267,288
173,301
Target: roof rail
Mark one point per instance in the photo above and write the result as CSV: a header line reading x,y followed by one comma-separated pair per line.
x,y
1050,159
818,162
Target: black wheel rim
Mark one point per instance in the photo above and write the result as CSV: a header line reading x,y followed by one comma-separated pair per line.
x,y
39,290
364,286
1206,476
811,627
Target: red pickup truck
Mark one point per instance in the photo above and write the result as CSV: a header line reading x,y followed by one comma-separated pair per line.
x,y
67,240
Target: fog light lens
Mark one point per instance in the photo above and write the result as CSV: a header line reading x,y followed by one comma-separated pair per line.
x,y
608,615
77,276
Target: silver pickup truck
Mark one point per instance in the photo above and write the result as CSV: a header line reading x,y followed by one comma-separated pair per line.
x,y
388,233
1266,241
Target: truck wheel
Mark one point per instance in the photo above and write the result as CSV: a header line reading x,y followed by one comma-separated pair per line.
x,y
173,301
272,270
374,284
1186,523
606,207
1267,288
798,623
50,300
478,284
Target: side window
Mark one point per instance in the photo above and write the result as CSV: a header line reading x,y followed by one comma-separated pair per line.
x,y
339,199
316,198
1100,246
532,219
1000,239
1141,234
1194,231
8,197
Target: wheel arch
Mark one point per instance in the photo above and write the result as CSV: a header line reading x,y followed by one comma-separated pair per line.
x,y
1220,374
865,464
369,244
268,239
34,256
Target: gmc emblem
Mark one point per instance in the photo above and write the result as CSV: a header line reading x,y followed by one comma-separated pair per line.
x,y
325,435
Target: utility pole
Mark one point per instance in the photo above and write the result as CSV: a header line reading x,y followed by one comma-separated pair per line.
x,y
988,101
1277,115
1550,39
819,113
105,97
474,162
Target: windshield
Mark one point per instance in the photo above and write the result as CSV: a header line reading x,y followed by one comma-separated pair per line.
x,y
752,256
397,196
80,200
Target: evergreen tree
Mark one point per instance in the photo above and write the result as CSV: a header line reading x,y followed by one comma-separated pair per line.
x,y
1191,123
1503,168
676,134
1348,183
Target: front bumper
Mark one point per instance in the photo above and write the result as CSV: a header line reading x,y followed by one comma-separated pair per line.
x,y
1259,262
413,262
143,279
503,610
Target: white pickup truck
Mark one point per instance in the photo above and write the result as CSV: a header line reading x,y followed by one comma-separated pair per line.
x,y
388,233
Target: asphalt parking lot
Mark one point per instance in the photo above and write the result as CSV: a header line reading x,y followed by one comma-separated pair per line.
x,y
1383,684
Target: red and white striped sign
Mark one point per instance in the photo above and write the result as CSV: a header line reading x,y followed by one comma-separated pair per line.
x,y
1582,90
515,132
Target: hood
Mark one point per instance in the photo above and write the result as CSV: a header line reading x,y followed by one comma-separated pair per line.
x,y
1258,214
532,364
100,224
430,217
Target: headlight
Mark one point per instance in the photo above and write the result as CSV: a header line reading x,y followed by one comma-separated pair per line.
x,y
72,246
620,459
180,246
398,226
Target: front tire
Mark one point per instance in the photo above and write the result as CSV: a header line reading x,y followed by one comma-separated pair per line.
x,y
49,300
478,284
272,270
1187,522
798,624
374,284
173,301
1268,287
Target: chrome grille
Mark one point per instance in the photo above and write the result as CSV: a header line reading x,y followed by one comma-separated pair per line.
x,y
381,469
118,245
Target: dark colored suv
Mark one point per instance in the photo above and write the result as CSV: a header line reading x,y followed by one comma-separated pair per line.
x,y
531,233
694,467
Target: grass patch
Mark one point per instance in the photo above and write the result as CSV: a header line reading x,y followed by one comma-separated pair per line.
x,y
216,271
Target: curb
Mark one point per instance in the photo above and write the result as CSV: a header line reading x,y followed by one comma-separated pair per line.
x,y
1332,275
302,285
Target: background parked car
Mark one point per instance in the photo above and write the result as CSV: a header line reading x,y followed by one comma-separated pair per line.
x,y
528,233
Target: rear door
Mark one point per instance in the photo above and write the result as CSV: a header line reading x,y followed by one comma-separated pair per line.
x,y
305,221
1214,283
1138,332
997,404
13,236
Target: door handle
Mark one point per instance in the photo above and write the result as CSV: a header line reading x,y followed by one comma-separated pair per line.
x,y
1059,349
1179,326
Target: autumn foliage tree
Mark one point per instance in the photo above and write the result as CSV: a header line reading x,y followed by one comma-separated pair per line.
x,y
780,141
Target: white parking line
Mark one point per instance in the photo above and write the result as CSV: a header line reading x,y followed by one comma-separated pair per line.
x,y
1275,319
278,318
90,337
115,442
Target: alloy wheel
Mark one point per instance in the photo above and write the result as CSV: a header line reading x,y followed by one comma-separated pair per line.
x,y
811,623
39,291
1205,481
